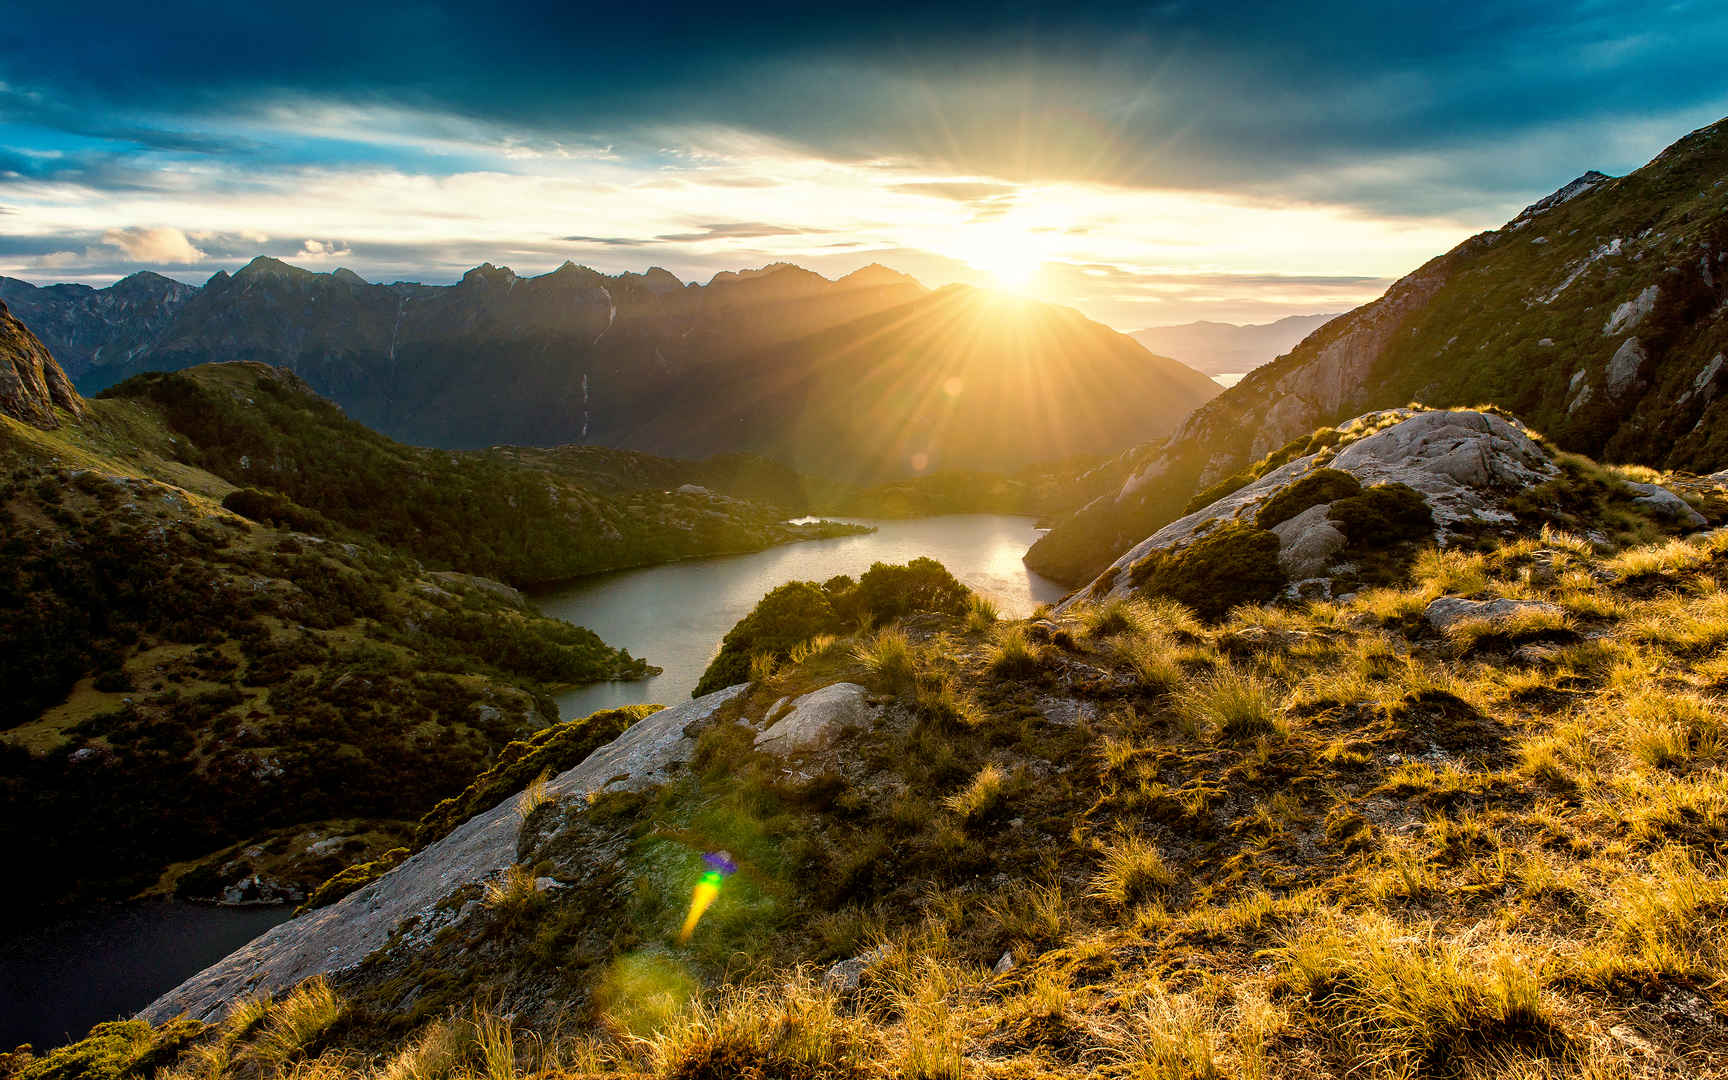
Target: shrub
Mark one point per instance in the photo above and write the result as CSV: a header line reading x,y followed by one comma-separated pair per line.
x,y
1233,564
269,508
885,592
1382,515
1317,488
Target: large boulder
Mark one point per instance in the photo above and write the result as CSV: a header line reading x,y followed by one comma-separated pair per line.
x,y
411,896
816,719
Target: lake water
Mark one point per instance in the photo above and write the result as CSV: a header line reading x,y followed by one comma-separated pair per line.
x,y
104,963
675,615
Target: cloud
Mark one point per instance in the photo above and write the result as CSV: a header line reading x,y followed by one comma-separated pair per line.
x,y
959,191
324,249
159,245
735,230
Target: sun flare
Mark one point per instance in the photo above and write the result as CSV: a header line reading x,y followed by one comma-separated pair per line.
x,y
1014,258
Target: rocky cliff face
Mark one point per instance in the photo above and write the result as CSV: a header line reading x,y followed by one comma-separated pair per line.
x,y
1599,315
32,385
826,376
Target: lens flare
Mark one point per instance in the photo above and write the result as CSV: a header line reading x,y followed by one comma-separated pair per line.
x,y
720,867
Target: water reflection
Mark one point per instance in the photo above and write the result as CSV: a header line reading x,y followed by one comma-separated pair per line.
x,y
675,615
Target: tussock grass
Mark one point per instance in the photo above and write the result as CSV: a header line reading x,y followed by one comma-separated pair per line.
x,y
981,613
297,1022
511,892
795,1029
981,795
1169,1037
889,655
1115,615
533,797
1394,1002
1014,655
1233,704
1131,872
431,1055
1156,661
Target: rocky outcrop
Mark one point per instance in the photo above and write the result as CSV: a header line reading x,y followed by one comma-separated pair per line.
x,y
407,900
1464,464
32,386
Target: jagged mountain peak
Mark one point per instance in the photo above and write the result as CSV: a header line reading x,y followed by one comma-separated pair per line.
x,y
1565,193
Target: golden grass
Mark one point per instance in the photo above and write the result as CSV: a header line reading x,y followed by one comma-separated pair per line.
x,y
1232,703
981,795
1131,872
888,654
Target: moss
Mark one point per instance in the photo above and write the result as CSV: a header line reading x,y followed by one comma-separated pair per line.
x,y
118,1050
1317,488
1233,564
550,750
353,878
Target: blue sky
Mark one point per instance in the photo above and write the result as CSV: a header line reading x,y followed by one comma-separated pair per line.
x,y
1149,163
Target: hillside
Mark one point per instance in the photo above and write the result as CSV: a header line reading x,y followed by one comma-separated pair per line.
x,y
1462,823
1217,348
1599,315
646,362
279,678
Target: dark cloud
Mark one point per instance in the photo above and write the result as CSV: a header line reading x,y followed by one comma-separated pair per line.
x,y
1256,95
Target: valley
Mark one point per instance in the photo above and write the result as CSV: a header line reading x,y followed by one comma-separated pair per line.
x,y
798,675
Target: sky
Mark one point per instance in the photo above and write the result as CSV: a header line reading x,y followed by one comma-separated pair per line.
x,y
1148,163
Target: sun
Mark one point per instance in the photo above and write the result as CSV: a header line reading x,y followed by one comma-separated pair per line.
x,y
1014,258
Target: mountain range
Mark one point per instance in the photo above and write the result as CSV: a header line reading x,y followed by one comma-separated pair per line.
x,y
868,378
1218,348
1598,315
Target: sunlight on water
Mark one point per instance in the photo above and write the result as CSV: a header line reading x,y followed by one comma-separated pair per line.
x,y
675,615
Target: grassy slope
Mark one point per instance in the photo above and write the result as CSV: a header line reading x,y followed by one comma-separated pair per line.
x,y
1301,842
180,678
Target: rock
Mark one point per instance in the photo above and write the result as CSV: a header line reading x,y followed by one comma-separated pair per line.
x,y
1664,503
1307,542
693,489
32,385
1006,964
546,884
346,932
1447,611
1628,315
846,976
1465,465
487,585
818,718
1041,630
1624,367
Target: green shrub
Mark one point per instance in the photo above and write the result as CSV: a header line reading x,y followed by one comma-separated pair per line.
x,y
1317,488
1382,515
790,614
352,878
269,508
1233,564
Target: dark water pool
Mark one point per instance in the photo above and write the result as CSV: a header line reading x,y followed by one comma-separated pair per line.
x,y
102,963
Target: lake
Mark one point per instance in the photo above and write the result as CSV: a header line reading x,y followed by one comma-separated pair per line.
x,y
105,963
675,615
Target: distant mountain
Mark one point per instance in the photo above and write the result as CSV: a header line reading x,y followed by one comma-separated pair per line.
x,y
1216,348
871,377
97,334
1598,315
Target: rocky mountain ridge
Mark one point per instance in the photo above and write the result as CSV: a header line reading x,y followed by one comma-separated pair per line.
x,y
779,361
1218,348
1599,316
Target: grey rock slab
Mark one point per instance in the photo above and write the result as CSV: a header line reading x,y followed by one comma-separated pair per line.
x,y
1447,611
817,718
333,938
